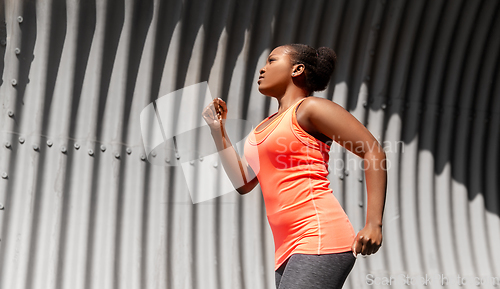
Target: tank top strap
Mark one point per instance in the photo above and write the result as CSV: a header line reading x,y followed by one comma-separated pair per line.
x,y
296,105
302,135
291,113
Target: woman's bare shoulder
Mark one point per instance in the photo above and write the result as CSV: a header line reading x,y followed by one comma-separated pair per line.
x,y
314,104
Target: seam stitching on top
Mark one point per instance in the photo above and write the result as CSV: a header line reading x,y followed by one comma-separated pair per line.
x,y
316,210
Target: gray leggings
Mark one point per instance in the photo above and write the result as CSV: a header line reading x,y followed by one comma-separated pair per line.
x,y
315,271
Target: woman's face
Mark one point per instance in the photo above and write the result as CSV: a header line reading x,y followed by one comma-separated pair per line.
x,y
276,75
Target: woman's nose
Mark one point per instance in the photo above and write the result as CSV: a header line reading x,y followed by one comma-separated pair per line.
x,y
261,70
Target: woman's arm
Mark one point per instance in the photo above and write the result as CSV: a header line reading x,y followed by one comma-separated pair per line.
x,y
332,120
239,172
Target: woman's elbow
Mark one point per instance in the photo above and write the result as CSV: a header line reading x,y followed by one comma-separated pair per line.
x,y
243,190
248,187
376,154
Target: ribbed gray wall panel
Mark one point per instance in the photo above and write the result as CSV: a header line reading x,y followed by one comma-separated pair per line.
x,y
81,208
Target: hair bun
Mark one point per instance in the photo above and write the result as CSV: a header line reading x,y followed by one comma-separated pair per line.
x,y
328,57
327,60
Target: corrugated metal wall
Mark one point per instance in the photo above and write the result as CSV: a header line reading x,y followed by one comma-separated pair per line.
x,y
81,209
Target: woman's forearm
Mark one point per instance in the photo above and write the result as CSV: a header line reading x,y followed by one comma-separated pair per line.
x,y
231,161
376,184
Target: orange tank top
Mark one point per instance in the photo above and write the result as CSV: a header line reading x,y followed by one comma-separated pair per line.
x,y
292,169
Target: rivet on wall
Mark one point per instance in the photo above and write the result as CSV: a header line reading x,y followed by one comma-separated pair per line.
x,y
143,157
63,149
10,113
167,160
17,51
5,175
7,144
1,206
91,152
177,156
117,155
153,153
215,165
341,177
360,204
201,159
346,172
35,147
129,151
103,148
3,42
360,179
191,162
21,140
383,106
20,19
77,146
49,143
13,82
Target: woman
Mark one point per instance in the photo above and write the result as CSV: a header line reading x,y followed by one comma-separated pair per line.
x,y
287,153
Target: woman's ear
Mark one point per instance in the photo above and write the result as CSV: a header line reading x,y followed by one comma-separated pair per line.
x,y
298,69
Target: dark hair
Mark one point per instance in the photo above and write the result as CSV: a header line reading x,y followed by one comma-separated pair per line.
x,y
319,64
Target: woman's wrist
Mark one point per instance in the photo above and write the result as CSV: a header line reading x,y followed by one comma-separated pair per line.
x,y
374,223
217,132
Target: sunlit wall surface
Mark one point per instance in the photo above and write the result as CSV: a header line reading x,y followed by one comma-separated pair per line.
x,y
83,207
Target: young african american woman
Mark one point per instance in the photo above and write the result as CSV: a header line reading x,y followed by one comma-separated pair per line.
x,y
287,154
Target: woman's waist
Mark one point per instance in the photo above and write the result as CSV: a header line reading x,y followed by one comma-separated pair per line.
x,y
304,222
294,208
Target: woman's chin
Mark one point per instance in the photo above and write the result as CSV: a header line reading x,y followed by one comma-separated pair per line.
x,y
267,91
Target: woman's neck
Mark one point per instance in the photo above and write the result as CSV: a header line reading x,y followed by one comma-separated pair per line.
x,y
289,98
